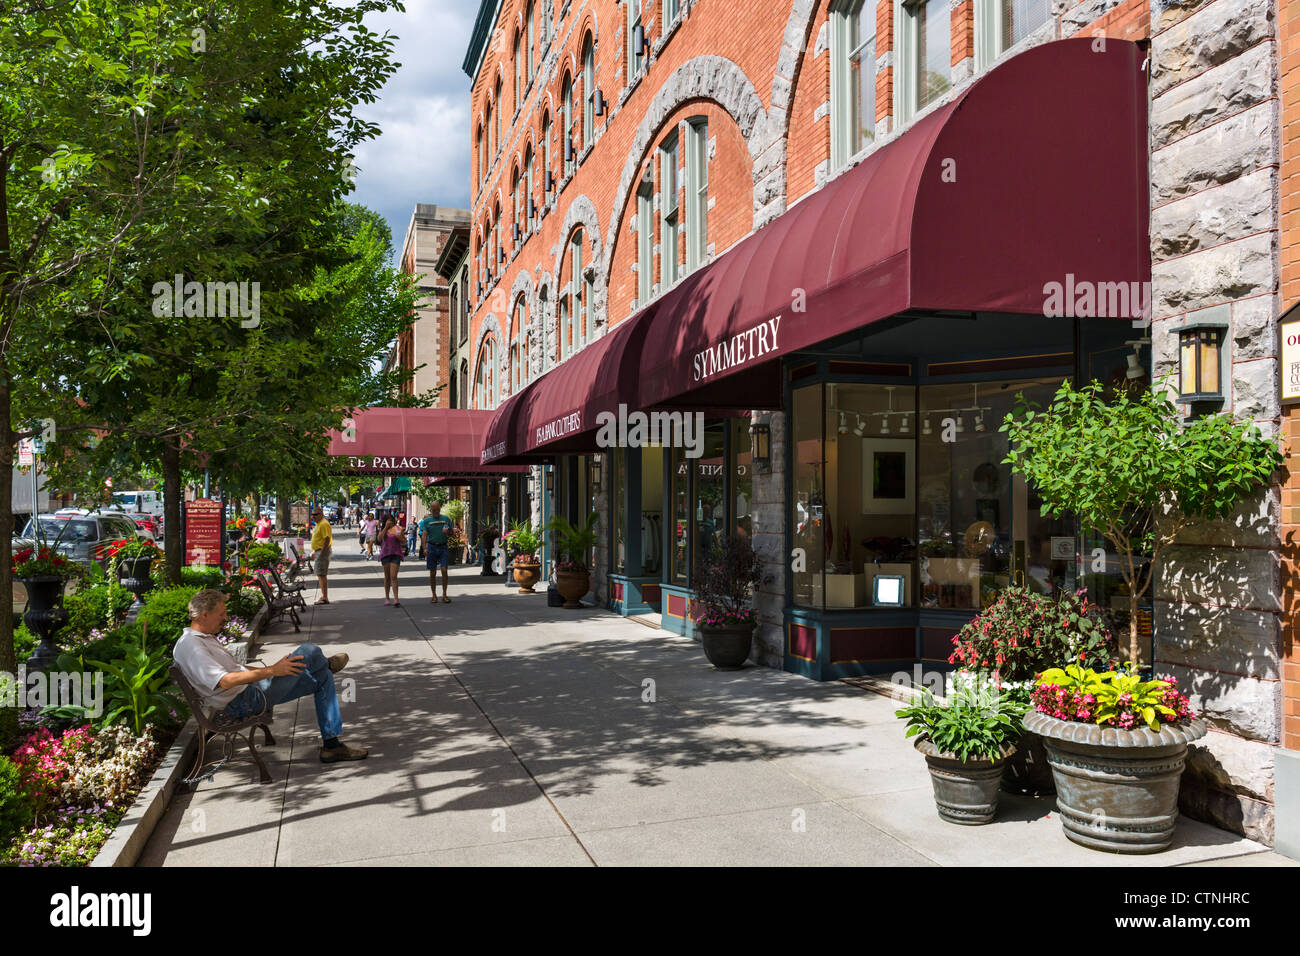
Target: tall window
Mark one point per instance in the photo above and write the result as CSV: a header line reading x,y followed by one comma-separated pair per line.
x,y
482,156
546,153
485,390
519,71
565,327
464,312
543,310
588,94
1001,24
668,211
645,241
566,127
579,286
496,128
853,79
697,192
548,12
670,11
634,57
519,321
926,49
516,198
528,189
532,40
464,383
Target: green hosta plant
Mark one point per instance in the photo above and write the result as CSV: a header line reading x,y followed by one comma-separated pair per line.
x,y
1134,472
977,723
136,688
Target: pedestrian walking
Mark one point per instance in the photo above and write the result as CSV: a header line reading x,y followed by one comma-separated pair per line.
x,y
369,529
322,546
391,541
412,532
433,536
263,531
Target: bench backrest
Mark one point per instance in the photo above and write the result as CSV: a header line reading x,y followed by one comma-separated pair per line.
x,y
191,695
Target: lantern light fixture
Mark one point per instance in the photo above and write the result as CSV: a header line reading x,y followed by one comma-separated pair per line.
x,y
595,470
760,434
1200,361
598,103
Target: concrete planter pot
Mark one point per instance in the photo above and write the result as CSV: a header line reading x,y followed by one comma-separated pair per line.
x,y
1117,790
727,647
526,576
1027,771
965,791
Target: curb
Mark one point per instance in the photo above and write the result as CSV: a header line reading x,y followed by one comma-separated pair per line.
x,y
127,842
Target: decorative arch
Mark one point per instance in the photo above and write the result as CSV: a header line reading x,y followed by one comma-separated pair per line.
x,y
489,329
581,212
769,168
708,77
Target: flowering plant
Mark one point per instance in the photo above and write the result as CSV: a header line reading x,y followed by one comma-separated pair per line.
x,y
110,769
455,537
71,838
1118,698
1021,634
138,548
44,762
726,617
725,581
30,563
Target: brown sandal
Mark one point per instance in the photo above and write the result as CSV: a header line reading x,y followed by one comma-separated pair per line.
x,y
445,599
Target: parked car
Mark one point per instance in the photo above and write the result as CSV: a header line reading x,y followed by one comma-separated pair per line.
x,y
148,522
84,538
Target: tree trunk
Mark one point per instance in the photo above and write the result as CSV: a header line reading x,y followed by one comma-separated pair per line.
x,y
282,511
1133,627
172,540
8,656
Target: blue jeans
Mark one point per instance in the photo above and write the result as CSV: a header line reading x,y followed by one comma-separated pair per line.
x,y
316,680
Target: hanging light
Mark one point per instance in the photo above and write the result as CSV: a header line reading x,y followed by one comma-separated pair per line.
x,y
979,423
961,426
861,427
844,425
902,429
925,426
884,425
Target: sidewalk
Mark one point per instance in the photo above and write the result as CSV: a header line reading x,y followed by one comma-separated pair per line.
x,y
502,731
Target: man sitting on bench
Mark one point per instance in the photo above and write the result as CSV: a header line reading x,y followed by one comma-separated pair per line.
x,y
225,684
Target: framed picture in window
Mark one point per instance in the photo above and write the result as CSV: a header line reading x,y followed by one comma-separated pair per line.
x,y
888,476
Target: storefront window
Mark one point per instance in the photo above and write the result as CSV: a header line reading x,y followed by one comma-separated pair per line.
x,y
808,501
652,515
742,481
681,516
710,490
618,507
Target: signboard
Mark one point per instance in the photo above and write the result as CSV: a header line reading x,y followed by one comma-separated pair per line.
x,y
298,514
1062,549
26,451
1289,358
203,532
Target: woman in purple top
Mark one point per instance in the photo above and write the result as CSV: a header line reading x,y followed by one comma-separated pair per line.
x,y
391,542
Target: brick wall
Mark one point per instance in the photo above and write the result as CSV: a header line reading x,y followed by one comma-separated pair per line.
x,y
1288,27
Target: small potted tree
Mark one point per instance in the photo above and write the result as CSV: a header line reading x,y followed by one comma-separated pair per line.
x,y
572,545
523,542
966,742
1133,472
723,585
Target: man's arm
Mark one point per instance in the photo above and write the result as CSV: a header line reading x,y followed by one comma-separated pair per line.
x,y
284,667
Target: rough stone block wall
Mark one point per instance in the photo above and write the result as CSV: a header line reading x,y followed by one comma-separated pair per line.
x,y
1214,230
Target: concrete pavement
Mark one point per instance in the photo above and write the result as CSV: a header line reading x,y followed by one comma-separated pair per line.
x,y
505,732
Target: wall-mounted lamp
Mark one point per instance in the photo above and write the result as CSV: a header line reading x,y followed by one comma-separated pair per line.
x,y
550,181
569,151
639,41
503,254
596,470
1200,361
598,103
532,208
760,435
550,480
517,232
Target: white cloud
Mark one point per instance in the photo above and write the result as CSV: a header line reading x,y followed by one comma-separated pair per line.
x,y
422,154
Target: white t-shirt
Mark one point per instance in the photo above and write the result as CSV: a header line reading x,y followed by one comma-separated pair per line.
x,y
204,662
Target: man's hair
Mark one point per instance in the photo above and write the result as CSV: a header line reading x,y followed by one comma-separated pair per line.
x,y
205,602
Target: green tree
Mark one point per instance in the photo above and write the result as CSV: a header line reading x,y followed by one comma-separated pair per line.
x,y
1133,472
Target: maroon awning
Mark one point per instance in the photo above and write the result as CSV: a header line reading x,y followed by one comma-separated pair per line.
x,y
414,441
1038,171
557,413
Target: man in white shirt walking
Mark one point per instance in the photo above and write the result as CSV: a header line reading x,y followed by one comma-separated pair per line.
x,y
225,684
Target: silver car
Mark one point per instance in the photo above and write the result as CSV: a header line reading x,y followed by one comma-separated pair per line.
x,y
84,538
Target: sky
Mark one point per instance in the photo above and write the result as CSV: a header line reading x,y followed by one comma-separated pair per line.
x,y
423,153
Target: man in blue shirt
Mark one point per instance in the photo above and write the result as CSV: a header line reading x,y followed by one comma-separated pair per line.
x,y
433,536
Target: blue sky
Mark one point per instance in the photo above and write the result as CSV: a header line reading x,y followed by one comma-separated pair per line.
x,y
423,153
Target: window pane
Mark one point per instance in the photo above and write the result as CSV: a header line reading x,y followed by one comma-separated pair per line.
x,y
808,502
742,495
863,92
681,491
618,504
710,506
933,55
652,505
1021,18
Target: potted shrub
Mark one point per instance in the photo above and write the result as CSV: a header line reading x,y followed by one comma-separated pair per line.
x,y
1117,744
1132,471
1013,640
133,561
723,585
43,573
572,544
523,542
966,742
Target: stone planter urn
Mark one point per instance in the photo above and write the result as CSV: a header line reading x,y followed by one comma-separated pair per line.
x,y
1117,790
527,575
572,585
727,646
133,573
44,616
1027,770
965,791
